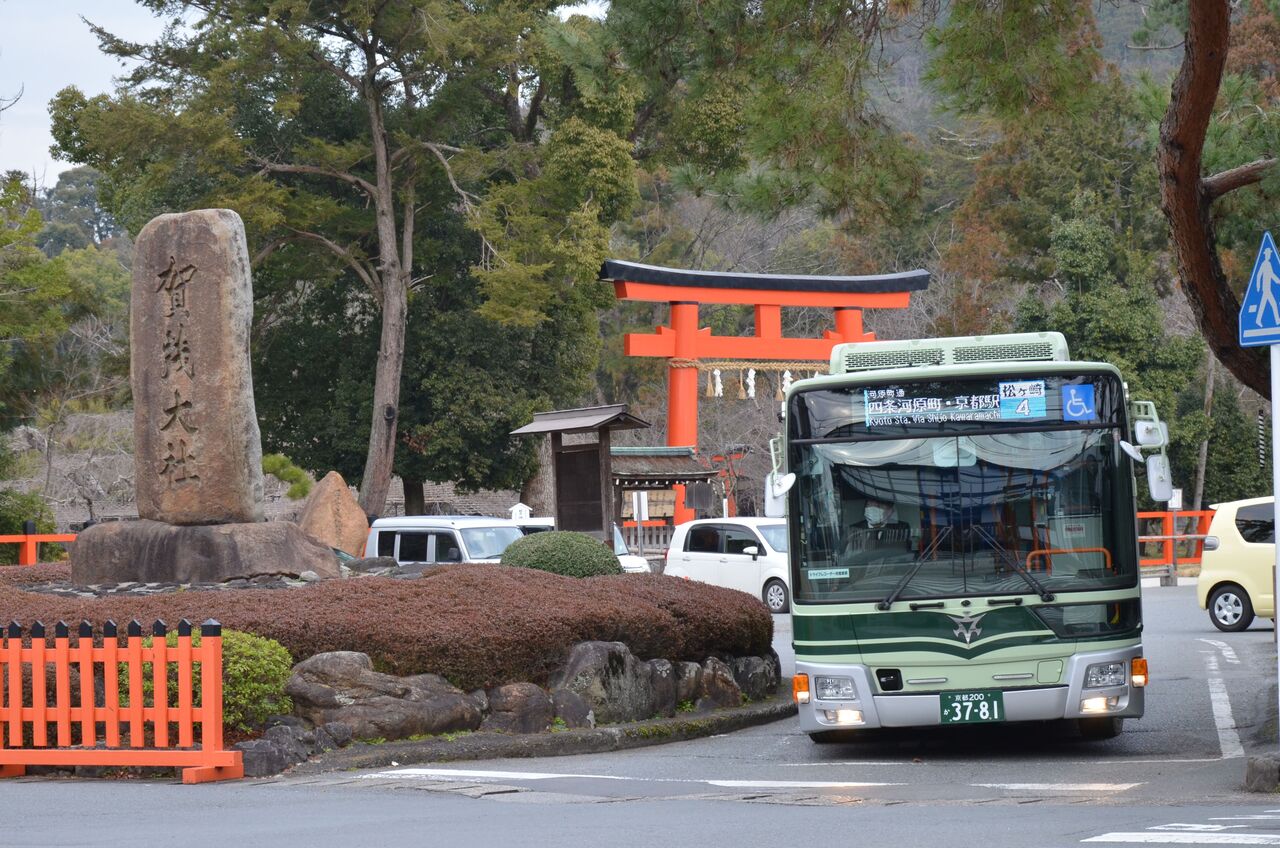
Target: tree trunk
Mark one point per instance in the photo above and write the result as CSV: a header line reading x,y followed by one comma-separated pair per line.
x,y
414,501
1202,461
1186,199
538,492
386,399
395,298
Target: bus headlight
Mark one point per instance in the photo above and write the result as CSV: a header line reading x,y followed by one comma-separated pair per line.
x,y
835,689
1100,675
844,716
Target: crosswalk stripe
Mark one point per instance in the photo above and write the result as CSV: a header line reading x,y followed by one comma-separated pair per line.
x,y
1061,787
1189,838
481,775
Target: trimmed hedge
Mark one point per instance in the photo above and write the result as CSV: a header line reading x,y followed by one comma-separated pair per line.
x,y
562,552
254,673
478,625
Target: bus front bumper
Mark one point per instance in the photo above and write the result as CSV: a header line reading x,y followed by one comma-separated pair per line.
x,y
1066,700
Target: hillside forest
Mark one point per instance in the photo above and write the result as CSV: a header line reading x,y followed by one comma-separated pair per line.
x,y
429,189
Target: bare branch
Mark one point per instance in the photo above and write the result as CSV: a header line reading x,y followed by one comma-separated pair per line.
x,y
1238,177
1154,46
366,274
316,170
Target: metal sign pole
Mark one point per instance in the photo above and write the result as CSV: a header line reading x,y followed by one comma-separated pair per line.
x,y
1259,326
1275,482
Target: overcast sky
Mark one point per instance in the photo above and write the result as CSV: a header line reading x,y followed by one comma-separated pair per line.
x,y
44,47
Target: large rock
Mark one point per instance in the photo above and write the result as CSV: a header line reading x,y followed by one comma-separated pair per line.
x,y
755,676
614,684
662,679
333,516
717,688
572,710
341,686
196,443
151,552
519,708
688,680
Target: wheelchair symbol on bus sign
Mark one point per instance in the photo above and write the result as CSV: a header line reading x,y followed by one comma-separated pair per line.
x,y
1077,403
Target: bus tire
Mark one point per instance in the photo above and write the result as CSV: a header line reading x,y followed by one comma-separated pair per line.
x,y
775,596
1230,609
1095,729
832,737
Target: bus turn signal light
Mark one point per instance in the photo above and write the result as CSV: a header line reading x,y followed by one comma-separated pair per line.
x,y
1138,673
800,688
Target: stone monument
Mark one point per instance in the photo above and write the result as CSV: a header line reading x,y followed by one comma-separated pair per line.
x,y
197,449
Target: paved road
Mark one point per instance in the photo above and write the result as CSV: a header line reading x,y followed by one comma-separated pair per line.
x,y
1172,778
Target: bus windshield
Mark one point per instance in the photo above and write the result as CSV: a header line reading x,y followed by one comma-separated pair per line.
x,y
933,503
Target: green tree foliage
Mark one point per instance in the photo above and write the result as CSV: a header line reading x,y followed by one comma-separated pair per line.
x,y
74,214
383,157
279,466
1119,320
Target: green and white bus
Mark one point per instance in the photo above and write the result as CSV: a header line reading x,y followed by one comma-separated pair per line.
x,y
963,536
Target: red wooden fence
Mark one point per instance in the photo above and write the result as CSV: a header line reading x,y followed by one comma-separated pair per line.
x,y
1171,532
94,723
29,544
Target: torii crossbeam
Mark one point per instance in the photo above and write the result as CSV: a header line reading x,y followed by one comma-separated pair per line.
x,y
684,343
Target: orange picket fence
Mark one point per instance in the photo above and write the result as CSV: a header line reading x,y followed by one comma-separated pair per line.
x,y
1180,533
94,722
29,544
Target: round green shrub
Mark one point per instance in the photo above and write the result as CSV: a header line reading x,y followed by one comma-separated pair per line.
x,y
254,673
562,552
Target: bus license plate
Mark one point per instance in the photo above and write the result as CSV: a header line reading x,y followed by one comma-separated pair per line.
x,y
972,707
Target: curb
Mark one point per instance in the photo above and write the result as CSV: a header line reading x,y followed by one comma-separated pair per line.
x,y
599,740
1262,763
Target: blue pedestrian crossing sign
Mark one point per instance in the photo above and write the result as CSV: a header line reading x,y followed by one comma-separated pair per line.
x,y
1260,312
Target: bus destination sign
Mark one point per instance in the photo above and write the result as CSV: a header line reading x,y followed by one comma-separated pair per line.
x,y
889,406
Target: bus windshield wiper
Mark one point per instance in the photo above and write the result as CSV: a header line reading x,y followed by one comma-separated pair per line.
x,y
1012,562
906,578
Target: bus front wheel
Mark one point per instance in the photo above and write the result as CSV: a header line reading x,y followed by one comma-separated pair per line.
x,y
1101,728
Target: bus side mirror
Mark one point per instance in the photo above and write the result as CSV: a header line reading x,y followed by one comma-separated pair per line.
x,y
1159,477
1150,434
776,487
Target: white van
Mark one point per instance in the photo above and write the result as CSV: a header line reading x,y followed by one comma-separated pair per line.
x,y
439,539
748,554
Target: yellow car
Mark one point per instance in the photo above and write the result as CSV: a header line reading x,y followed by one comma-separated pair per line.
x,y
1236,572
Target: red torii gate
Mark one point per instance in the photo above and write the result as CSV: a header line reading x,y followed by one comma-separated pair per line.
x,y
684,343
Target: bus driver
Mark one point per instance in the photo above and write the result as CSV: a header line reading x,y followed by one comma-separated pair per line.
x,y
879,528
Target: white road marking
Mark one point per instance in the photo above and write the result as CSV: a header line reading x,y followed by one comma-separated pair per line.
x,y
1228,652
1061,787
476,775
1200,828
1167,838
1228,739
788,784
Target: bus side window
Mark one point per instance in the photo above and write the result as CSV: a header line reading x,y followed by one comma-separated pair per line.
x,y
386,543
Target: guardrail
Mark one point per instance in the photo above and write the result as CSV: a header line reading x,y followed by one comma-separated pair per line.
x,y
1178,540
95,723
29,544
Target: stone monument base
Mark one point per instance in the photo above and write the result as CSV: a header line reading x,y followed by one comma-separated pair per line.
x,y
154,552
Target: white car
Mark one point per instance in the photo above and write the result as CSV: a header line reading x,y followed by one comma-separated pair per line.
x,y
441,538
748,554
